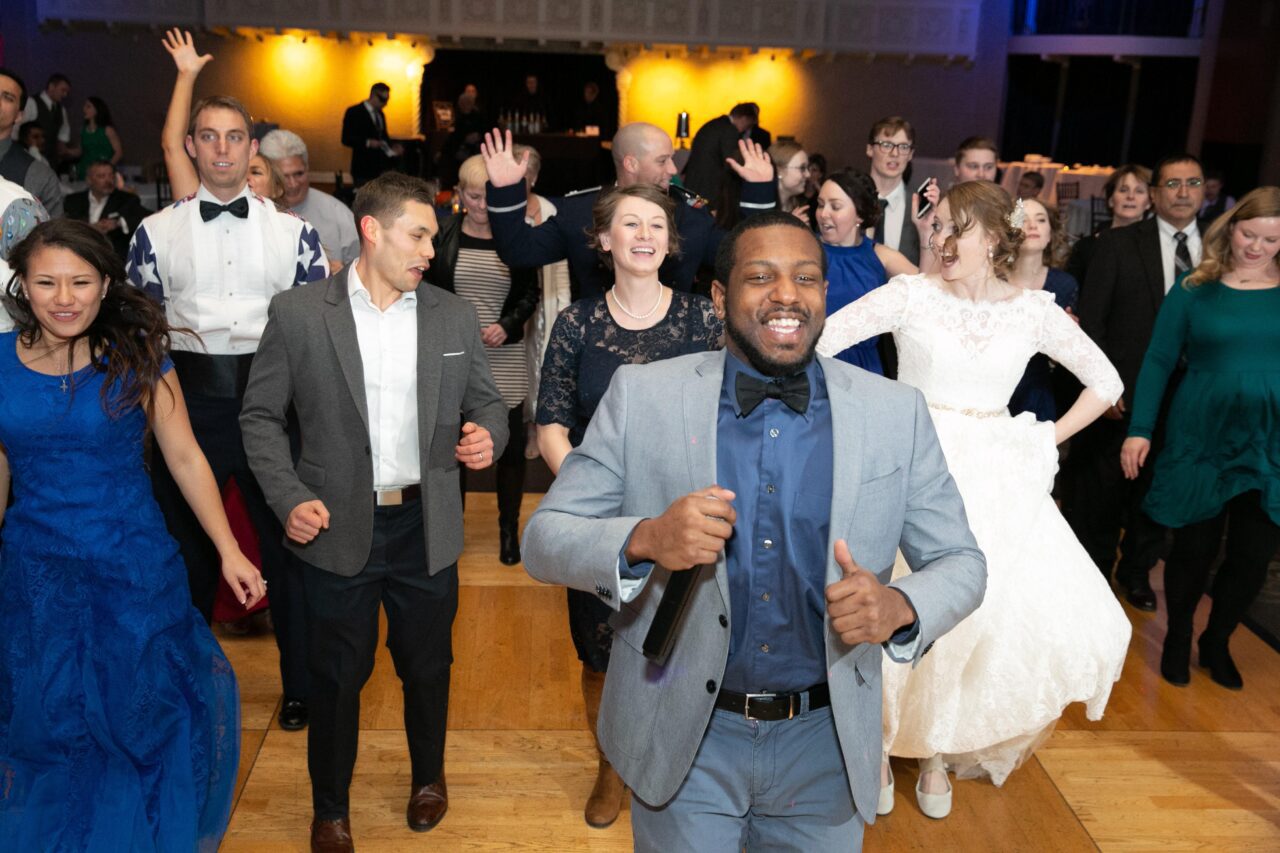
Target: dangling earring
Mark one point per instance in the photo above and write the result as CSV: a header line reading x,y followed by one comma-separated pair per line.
x,y
991,253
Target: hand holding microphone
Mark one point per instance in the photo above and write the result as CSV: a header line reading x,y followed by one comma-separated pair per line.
x,y
691,532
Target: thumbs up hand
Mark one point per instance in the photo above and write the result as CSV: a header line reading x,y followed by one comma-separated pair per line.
x,y
862,609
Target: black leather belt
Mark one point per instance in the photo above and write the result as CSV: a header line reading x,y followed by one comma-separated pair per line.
x,y
224,376
773,706
395,497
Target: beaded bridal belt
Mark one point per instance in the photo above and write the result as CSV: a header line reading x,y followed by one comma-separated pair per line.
x,y
972,413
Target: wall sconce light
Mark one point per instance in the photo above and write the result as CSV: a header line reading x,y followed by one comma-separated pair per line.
x,y
682,127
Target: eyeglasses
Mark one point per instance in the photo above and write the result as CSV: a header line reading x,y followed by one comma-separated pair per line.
x,y
890,147
803,167
1176,184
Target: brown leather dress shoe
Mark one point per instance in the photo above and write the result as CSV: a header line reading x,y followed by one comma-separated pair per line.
x,y
427,805
332,836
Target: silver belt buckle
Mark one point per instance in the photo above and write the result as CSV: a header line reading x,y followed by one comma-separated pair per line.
x,y
768,697
390,497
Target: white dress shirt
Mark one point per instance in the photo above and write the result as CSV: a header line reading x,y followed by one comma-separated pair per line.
x,y
894,214
389,354
217,277
1169,245
31,113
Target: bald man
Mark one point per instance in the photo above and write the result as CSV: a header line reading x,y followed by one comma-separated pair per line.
x,y
642,153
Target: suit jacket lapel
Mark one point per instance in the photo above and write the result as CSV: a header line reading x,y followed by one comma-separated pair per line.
x,y
430,355
342,332
1152,259
848,446
701,411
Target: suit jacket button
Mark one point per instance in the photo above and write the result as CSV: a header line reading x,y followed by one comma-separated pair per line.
x,y
711,686
366,450
724,621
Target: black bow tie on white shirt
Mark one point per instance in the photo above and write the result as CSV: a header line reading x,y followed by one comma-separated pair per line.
x,y
211,210
793,391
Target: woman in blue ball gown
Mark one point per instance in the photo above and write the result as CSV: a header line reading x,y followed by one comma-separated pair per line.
x,y
119,714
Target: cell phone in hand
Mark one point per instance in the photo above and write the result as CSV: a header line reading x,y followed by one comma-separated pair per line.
x,y
925,204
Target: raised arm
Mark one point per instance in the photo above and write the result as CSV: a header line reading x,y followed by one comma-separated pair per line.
x,y
1064,342
877,312
182,175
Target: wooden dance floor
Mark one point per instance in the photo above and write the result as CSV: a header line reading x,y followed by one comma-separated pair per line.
x,y
1168,769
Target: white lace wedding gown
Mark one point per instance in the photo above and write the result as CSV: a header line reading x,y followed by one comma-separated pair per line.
x,y
1049,631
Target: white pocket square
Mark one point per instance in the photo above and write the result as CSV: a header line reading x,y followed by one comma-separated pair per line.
x,y
460,352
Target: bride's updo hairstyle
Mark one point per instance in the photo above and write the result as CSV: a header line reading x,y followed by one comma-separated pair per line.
x,y
986,205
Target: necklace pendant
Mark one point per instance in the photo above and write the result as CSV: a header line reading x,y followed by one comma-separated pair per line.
x,y
64,385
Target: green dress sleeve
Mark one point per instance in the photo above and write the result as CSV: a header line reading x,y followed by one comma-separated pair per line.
x,y
1167,341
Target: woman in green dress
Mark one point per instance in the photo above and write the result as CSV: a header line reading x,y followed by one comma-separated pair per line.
x,y
1220,465
98,138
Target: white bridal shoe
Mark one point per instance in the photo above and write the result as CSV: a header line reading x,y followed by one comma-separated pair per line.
x,y
885,805
936,806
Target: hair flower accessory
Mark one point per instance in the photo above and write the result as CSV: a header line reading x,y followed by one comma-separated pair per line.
x,y
1017,216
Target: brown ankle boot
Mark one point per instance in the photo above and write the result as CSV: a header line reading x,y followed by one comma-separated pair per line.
x,y
606,796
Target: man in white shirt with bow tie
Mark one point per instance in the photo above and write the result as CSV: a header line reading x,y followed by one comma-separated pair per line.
x,y
214,260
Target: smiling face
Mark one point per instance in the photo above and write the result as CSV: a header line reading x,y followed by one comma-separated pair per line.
x,y
638,236
963,255
297,181
653,162
1037,229
65,292
774,303
793,175
838,219
1255,242
473,200
400,251
1130,201
222,149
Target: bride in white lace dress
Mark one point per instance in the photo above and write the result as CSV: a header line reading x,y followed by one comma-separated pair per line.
x,y
1049,632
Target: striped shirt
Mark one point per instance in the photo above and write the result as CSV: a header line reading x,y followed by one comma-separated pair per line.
x,y
484,281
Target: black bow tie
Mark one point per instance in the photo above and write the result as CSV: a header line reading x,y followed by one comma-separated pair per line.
x,y
211,210
793,390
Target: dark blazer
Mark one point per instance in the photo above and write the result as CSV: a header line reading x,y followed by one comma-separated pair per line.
x,y
309,357
714,141
909,242
521,299
358,127
125,205
1121,295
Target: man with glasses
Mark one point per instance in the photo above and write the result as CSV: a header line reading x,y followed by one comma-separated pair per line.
x,y
364,131
890,145
1133,269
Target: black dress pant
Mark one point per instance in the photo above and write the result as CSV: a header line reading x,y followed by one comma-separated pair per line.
x,y
216,424
1252,540
508,472
342,615
1100,501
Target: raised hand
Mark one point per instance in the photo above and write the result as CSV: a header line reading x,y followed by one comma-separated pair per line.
x,y
691,532
862,609
756,166
183,50
500,161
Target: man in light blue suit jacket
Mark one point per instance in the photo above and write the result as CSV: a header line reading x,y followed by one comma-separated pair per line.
x,y
765,472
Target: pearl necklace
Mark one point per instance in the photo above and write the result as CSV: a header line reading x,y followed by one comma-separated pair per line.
x,y
646,315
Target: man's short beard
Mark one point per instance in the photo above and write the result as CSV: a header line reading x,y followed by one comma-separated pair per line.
x,y
762,362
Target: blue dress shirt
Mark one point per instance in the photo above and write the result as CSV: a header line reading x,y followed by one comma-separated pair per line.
x,y
778,463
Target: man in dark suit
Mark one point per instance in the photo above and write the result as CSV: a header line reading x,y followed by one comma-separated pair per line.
x,y
391,396
1132,270
364,131
890,146
715,142
113,212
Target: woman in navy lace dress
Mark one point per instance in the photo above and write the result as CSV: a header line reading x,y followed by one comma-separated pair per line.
x,y
119,714
637,321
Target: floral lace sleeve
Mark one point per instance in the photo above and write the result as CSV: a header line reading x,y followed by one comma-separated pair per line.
x,y
879,311
558,387
1066,343
710,331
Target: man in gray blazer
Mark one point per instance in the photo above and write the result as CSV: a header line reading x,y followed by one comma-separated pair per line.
x,y
765,472
392,391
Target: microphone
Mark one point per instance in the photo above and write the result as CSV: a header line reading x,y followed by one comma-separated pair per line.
x,y
661,638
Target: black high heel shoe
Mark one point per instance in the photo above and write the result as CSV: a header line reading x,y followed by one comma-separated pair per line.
x,y
1216,657
508,546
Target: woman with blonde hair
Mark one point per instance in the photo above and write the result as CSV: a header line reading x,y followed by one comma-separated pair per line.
x,y
1220,464
791,165
1049,631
